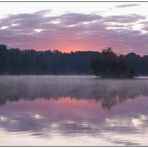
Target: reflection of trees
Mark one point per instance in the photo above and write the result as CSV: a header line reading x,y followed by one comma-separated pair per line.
x,y
108,92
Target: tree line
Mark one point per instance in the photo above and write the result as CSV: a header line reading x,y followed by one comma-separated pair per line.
x,y
15,61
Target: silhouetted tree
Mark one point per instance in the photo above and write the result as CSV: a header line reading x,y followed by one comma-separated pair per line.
x,y
29,61
109,65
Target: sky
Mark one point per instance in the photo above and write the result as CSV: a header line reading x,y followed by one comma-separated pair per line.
x,y
75,26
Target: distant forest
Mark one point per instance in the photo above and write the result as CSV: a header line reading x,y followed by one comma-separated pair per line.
x,y
14,61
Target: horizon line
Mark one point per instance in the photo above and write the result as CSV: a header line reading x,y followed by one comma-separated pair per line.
x,y
72,51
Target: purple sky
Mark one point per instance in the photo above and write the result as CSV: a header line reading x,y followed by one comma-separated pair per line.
x,y
73,26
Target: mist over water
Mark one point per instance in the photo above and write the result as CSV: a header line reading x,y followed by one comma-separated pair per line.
x,y
73,111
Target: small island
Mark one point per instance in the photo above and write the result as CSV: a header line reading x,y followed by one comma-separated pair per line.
x,y
110,65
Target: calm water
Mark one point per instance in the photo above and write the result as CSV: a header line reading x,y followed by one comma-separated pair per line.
x,y
73,111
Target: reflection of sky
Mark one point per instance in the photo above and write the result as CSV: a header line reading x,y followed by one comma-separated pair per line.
x,y
71,122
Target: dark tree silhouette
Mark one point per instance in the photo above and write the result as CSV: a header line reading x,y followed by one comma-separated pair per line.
x,y
14,61
109,65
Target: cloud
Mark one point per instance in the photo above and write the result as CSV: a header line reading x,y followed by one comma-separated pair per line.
x,y
73,31
127,5
124,18
144,25
75,18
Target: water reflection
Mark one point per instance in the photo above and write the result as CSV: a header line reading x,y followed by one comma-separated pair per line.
x,y
109,92
73,111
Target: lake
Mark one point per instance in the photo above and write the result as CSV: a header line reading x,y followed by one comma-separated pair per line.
x,y
73,111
